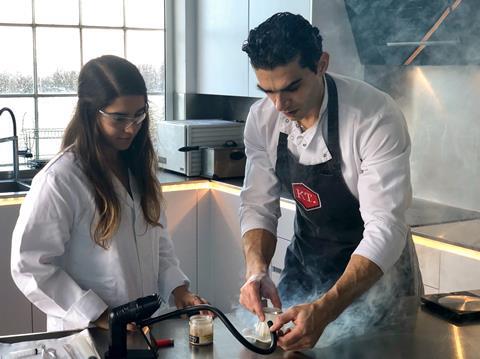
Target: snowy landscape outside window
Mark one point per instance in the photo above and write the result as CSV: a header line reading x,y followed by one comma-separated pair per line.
x,y
44,45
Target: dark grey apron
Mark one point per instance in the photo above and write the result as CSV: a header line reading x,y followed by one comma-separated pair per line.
x,y
328,228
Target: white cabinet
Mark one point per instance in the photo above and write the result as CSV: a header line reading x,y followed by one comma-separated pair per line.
x,y
221,263
181,211
222,66
259,11
285,222
446,268
458,272
429,262
39,320
277,263
15,309
222,260
222,27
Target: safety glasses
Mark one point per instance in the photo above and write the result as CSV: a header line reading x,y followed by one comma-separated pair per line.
x,y
123,121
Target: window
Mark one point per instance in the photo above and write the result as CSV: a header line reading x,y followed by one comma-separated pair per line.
x,y
44,45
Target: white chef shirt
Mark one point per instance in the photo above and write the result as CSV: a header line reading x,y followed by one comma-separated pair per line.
x,y
375,150
59,267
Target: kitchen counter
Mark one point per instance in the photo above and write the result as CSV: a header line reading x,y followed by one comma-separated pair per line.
x,y
465,233
421,335
420,213
428,219
423,213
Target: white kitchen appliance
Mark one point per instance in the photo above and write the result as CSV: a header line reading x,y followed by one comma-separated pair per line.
x,y
180,142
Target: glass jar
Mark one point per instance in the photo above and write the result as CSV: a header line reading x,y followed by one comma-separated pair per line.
x,y
201,330
271,313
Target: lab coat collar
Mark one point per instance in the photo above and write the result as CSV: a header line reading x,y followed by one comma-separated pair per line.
x,y
131,201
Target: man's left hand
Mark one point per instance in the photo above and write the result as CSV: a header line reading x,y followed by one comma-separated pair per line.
x,y
310,320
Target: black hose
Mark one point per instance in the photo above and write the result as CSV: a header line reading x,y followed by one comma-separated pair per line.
x,y
197,308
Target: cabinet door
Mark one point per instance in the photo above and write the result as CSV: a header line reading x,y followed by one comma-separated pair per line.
x,y
260,11
226,264
286,222
39,320
16,310
181,211
278,259
458,272
222,66
429,262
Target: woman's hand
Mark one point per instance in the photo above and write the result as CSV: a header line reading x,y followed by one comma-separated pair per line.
x,y
184,298
102,322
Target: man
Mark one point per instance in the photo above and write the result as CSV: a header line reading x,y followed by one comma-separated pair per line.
x,y
341,148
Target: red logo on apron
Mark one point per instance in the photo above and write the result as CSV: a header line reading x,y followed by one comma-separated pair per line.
x,y
306,196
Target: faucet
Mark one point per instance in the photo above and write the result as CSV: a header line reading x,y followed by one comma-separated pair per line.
x,y
14,140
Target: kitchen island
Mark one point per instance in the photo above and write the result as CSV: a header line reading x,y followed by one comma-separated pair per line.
x,y
420,335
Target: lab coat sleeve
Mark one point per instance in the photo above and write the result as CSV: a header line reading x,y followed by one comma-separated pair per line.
x,y
170,275
39,239
260,195
384,186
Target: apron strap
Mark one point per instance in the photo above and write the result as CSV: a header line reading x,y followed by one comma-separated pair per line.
x,y
333,136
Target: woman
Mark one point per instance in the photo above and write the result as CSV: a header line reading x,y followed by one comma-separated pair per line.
x,y
91,234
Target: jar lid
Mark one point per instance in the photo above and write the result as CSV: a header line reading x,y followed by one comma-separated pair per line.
x,y
201,319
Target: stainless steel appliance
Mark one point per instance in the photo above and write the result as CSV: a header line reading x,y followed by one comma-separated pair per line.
x,y
457,307
227,161
180,143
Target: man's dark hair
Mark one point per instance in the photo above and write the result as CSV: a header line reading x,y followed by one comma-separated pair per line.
x,y
280,39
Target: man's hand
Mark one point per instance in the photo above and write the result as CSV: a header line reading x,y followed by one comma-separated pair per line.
x,y
256,287
310,320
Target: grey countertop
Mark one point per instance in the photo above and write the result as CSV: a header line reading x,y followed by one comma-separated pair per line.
x,y
418,335
464,233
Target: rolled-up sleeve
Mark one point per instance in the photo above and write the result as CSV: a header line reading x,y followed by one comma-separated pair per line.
x,y
170,276
39,239
260,195
384,186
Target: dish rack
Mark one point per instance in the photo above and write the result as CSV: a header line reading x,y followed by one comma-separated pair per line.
x,y
30,139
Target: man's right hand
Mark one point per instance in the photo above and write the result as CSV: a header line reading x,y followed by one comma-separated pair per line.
x,y
256,287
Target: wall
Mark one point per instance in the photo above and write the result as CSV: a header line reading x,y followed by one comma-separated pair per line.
x,y
442,110
230,108
330,16
181,54
439,103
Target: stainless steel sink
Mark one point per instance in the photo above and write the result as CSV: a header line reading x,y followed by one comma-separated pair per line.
x,y
7,187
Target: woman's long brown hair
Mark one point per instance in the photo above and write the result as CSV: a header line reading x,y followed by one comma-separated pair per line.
x,y
100,82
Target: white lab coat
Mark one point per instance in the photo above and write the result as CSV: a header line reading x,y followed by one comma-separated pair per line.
x,y
58,266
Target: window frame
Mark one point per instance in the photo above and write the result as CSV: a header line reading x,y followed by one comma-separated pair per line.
x,y
35,95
